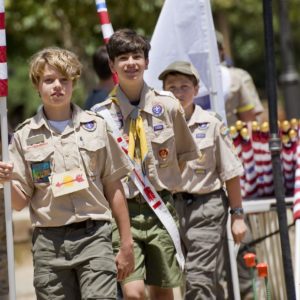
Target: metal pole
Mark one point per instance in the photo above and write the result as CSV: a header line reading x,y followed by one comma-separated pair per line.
x,y
275,145
289,79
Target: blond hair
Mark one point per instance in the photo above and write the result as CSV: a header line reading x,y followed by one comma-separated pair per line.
x,y
66,62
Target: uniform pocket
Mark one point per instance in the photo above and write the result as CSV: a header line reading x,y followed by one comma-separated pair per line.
x,y
90,152
206,154
163,146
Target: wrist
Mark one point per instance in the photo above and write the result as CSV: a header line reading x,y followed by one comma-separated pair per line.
x,y
237,211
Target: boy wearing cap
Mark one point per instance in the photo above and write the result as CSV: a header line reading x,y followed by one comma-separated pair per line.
x,y
201,201
162,142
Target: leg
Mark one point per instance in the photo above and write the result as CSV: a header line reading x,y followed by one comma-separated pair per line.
x,y
134,290
158,293
133,286
53,279
95,263
203,221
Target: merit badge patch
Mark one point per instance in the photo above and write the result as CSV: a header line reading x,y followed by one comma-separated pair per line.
x,y
90,126
163,153
157,110
158,127
41,172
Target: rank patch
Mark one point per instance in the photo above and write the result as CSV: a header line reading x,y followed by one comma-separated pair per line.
x,y
163,153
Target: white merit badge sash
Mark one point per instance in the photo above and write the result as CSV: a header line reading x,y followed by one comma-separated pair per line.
x,y
144,186
68,182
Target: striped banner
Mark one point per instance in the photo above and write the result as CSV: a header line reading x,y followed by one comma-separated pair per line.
x,y
106,27
296,209
3,61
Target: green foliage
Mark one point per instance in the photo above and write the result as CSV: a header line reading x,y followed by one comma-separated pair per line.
x,y
73,24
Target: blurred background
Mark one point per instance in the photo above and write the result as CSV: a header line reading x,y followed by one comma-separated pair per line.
x,y
73,24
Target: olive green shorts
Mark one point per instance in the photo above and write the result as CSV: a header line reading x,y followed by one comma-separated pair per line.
x,y
74,262
154,252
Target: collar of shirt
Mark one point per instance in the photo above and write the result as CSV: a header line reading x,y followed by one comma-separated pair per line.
x,y
199,116
145,101
78,117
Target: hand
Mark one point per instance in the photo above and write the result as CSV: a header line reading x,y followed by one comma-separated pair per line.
x,y
238,228
6,170
125,261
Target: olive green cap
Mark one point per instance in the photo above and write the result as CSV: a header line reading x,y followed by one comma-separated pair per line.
x,y
183,67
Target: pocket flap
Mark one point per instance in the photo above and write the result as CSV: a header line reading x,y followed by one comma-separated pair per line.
x,y
205,143
92,145
38,154
164,136
103,264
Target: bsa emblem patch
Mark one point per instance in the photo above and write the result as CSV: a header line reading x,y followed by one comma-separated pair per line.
x,y
90,126
163,153
203,125
157,110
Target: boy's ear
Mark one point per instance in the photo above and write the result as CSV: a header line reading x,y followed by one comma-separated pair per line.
x,y
196,89
146,63
111,65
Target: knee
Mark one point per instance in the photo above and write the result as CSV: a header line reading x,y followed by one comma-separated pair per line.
x,y
134,294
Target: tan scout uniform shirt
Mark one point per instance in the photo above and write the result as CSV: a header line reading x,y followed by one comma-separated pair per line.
x,y
242,95
168,137
217,161
102,159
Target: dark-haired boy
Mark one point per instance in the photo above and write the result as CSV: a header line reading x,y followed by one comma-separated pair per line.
x,y
163,142
202,202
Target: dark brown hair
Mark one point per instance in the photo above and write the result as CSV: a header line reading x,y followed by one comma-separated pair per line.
x,y
127,40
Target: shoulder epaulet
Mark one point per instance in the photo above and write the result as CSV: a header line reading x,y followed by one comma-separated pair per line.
x,y
101,104
216,115
90,112
19,126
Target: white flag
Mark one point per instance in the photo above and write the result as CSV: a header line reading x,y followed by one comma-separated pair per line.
x,y
185,31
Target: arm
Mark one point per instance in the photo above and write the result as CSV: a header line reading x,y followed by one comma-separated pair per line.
x,y
238,226
247,116
19,200
125,258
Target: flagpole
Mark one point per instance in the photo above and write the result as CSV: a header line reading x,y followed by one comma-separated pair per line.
x,y
275,146
5,156
106,27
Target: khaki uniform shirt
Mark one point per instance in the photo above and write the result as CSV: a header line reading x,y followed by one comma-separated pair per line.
x,y
168,137
217,161
242,95
92,148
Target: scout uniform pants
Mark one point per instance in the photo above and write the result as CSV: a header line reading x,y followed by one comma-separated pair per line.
x,y
74,262
154,252
202,225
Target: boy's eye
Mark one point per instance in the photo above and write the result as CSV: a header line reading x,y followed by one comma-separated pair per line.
x,y
48,80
